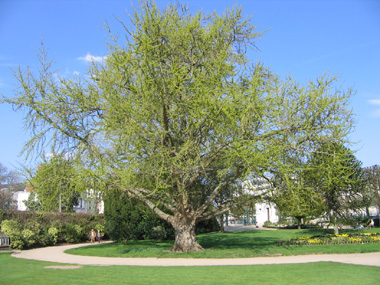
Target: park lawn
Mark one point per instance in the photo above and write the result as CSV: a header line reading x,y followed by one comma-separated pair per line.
x,y
23,271
229,245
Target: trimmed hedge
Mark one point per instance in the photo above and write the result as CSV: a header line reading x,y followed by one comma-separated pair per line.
x,y
36,229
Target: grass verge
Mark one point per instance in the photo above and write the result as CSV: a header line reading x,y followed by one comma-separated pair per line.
x,y
23,271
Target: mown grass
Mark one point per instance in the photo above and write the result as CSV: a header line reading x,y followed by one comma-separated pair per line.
x,y
23,271
230,245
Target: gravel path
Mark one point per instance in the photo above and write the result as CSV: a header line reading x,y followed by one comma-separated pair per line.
x,y
56,254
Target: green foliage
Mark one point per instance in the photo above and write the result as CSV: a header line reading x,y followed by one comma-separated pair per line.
x,y
295,198
55,186
32,204
53,234
13,229
31,229
72,233
372,178
129,219
207,226
339,180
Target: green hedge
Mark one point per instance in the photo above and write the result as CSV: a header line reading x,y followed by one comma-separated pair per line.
x,y
34,229
130,219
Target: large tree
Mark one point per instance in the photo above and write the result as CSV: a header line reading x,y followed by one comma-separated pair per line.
x,y
176,101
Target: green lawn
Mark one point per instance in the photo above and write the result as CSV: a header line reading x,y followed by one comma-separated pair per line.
x,y
229,245
23,271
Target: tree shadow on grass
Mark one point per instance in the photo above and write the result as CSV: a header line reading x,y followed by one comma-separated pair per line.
x,y
237,240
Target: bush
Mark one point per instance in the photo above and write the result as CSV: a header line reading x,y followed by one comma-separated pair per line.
x,y
53,234
31,229
269,224
129,219
72,233
29,237
207,226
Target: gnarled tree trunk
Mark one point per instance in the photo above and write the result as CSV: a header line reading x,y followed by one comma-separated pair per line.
x,y
185,237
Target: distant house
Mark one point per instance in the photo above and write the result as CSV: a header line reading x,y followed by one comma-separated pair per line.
x,y
263,210
88,203
9,194
20,197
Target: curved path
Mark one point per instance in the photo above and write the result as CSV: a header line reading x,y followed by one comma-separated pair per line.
x,y
56,254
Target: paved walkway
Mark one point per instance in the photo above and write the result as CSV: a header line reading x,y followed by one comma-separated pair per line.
x,y
56,254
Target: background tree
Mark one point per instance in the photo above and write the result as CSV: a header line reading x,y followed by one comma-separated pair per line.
x,y
177,100
32,203
9,184
339,181
293,193
55,185
372,177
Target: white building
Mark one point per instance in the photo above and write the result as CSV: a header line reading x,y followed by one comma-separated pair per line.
x,y
263,210
20,197
88,203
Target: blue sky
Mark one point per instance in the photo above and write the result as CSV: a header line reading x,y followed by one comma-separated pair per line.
x,y
304,39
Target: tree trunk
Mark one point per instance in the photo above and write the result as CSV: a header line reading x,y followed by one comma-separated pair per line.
x,y
299,223
221,220
185,238
333,220
336,229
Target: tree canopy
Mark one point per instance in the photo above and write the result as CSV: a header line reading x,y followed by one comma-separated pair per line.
x,y
339,180
372,178
177,113
55,186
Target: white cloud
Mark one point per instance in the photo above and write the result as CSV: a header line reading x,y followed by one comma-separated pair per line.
x,y
374,102
67,156
76,73
91,58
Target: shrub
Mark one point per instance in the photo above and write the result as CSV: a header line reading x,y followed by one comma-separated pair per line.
x,y
207,226
158,233
26,229
269,224
29,237
129,219
72,233
53,234
13,229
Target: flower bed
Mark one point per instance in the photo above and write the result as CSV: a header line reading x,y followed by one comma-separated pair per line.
x,y
355,238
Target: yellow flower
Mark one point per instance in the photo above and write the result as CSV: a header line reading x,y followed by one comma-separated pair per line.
x,y
314,241
305,237
355,239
